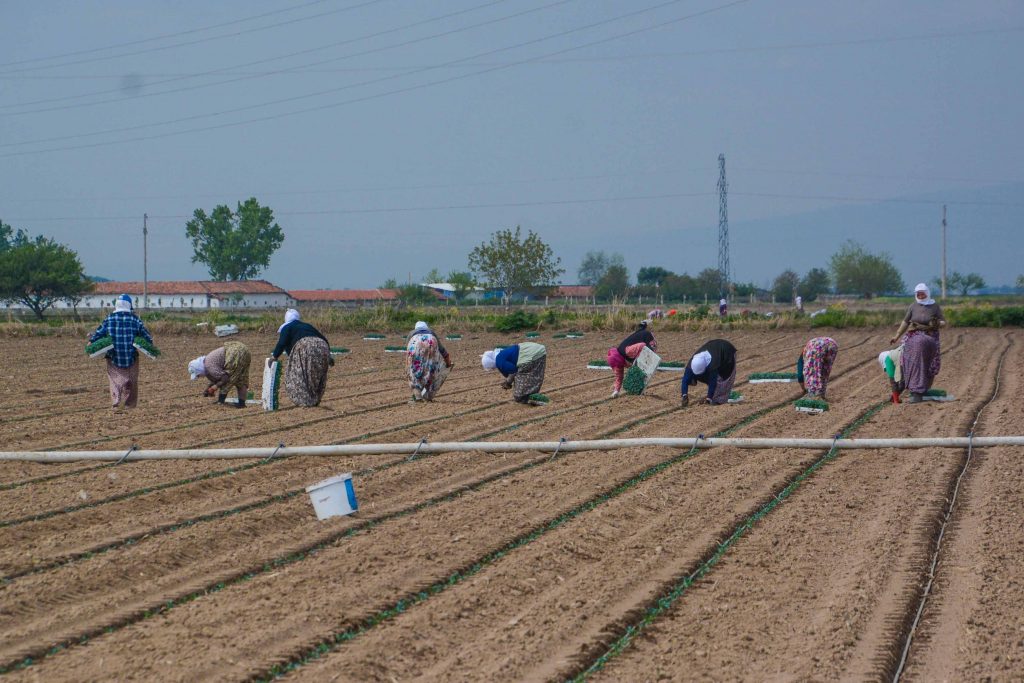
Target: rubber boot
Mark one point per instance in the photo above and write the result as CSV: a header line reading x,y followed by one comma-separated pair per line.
x,y
221,398
895,397
241,401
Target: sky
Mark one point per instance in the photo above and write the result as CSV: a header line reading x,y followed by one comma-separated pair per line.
x,y
390,137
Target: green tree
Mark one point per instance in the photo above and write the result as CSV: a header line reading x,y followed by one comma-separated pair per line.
x,y
613,284
390,283
513,264
652,275
415,294
463,283
595,265
709,281
234,245
433,277
40,272
856,271
675,287
815,283
784,288
964,284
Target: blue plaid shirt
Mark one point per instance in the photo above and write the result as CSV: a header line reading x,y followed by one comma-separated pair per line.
x,y
123,327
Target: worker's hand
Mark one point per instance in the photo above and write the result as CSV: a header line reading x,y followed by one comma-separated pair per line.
x,y
685,401
330,361
449,364
703,401
507,384
892,340
210,390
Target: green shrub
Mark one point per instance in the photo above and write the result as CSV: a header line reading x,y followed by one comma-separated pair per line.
x,y
516,321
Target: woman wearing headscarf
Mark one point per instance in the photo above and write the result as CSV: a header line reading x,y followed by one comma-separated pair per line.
x,y
427,362
225,367
723,308
309,356
123,360
522,365
714,364
622,356
921,358
890,362
814,365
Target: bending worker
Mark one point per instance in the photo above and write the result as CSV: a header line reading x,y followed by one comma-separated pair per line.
x,y
714,364
522,365
622,356
225,367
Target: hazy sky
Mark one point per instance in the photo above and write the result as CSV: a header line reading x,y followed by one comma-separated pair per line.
x,y
391,136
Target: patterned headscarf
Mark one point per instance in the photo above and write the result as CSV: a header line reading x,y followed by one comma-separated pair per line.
x,y
290,316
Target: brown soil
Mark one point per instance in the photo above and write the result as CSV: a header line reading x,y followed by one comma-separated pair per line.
x,y
819,589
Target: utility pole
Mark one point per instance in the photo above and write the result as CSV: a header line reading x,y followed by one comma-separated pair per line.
x,y
145,261
723,229
943,252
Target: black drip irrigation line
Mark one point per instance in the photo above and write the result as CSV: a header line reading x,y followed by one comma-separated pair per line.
x,y
403,604
707,564
952,497
269,566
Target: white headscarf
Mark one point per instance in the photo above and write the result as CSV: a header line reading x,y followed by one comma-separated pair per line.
x,y
290,316
700,362
421,327
489,360
882,357
721,302
928,300
123,303
197,367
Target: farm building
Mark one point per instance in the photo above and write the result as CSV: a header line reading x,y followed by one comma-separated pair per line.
x,y
343,298
189,294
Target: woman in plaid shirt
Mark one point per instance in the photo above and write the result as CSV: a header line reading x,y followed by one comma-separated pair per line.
x,y
123,360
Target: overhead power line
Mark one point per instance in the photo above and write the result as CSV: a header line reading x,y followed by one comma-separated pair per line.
x,y
173,46
411,88
566,60
244,77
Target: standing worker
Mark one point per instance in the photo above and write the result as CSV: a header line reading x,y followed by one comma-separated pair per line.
x,y
309,356
714,364
225,367
123,360
723,308
522,365
814,365
427,362
622,356
921,359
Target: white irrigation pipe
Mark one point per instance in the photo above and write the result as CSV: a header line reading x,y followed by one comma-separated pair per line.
x,y
510,447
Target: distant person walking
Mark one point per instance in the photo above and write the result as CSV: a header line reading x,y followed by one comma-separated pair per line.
x,y
123,360
622,356
309,356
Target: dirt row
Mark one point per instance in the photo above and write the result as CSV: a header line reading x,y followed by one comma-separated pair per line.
x,y
532,484
41,542
543,610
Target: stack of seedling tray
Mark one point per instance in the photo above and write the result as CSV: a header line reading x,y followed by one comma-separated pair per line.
x,y
533,335
146,348
338,350
538,400
394,349
372,337
99,347
453,337
938,395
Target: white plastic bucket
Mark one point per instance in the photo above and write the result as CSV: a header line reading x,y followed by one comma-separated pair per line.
x,y
333,497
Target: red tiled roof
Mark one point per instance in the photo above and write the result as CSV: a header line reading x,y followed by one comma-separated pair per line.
x,y
177,287
574,290
343,294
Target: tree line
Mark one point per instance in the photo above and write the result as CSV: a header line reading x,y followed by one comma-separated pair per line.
x,y
238,244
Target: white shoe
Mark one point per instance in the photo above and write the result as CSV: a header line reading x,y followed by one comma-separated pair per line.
x,y
615,394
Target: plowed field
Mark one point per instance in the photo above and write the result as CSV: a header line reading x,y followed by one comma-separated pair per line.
x,y
641,565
